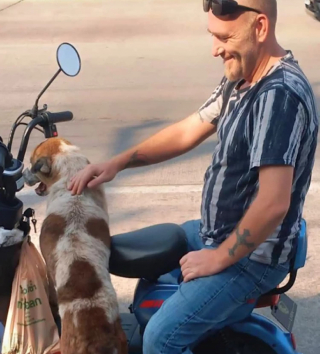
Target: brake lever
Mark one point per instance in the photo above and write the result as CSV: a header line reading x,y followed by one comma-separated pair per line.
x,y
42,110
30,112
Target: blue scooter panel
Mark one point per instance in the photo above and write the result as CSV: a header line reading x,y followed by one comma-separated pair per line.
x,y
149,296
266,330
302,245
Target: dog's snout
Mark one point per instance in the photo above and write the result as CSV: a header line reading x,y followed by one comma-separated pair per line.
x,y
30,178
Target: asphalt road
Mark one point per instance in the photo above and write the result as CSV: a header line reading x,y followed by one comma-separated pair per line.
x,y
145,64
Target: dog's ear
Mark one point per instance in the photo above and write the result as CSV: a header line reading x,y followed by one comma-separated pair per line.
x,y
42,165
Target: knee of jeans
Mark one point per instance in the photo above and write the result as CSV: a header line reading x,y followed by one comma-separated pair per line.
x,y
153,338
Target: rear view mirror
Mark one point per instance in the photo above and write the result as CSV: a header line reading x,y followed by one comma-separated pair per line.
x,y
69,62
68,59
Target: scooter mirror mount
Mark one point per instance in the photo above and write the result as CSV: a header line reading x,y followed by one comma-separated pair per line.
x,y
69,63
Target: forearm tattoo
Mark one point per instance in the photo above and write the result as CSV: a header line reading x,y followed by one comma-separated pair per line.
x,y
137,160
241,241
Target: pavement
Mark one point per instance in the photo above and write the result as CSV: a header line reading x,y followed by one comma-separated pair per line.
x,y
145,64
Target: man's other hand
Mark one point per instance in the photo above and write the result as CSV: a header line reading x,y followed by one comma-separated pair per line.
x,y
201,264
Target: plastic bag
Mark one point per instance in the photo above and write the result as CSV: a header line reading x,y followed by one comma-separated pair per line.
x,y
30,327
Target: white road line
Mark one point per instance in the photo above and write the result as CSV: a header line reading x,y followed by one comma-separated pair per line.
x,y
161,189
29,192
153,189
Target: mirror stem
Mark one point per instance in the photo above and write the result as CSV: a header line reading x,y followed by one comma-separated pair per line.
x,y
35,107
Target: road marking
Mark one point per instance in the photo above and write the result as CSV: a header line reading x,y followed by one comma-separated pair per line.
x,y
161,189
154,189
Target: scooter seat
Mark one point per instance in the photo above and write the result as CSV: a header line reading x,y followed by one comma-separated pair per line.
x,y
147,253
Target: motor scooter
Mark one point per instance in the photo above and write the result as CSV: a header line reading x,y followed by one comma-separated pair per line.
x,y
151,254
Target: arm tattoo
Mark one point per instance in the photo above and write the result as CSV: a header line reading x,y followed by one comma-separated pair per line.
x,y
137,160
241,241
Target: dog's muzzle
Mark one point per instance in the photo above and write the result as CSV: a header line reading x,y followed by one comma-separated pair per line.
x,y
30,178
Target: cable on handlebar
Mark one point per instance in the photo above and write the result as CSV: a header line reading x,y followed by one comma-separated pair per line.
x,y
14,127
36,128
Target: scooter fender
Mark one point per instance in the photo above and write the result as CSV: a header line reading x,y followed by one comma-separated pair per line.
x,y
265,329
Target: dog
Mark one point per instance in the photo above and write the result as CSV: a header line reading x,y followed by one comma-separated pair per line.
x,y
75,243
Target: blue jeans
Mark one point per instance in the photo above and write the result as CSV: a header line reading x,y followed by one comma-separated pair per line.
x,y
208,303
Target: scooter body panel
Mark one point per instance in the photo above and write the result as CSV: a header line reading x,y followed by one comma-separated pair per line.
x,y
149,296
268,331
255,325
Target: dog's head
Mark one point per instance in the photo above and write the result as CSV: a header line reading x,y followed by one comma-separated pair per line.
x,y
45,169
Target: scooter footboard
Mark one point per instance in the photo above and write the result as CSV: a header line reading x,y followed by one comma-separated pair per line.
x,y
132,330
266,330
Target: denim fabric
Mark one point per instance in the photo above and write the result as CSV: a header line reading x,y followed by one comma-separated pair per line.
x,y
208,303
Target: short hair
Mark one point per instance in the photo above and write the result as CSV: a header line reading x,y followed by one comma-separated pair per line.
x,y
267,7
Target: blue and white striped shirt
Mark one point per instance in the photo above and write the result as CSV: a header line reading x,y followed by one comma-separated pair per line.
x,y
272,122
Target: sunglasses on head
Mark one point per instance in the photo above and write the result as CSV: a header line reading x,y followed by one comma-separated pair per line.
x,y
225,7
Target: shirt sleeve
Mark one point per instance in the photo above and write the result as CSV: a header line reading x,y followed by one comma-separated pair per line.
x,y
211,109
279,119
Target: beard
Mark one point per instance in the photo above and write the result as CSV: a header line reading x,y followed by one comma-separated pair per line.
x,y
241,65
243,62
233,69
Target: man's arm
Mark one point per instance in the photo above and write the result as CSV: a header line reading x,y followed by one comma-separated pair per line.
x,y
280,122
178,138
170,142
263,216
274,151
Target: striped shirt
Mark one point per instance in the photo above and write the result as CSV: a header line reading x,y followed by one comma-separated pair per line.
x,y
272,122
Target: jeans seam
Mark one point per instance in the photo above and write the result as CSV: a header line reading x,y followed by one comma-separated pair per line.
x,y
257,287
198,310
246,266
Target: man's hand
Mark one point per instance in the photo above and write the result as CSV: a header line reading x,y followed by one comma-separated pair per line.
x,y
201,264
104,172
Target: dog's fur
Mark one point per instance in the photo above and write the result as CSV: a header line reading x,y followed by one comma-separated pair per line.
x,y
75,243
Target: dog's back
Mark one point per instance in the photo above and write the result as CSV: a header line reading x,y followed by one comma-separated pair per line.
x,y
75,242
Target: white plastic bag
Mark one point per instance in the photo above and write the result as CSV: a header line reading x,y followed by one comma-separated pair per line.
x,y
30,327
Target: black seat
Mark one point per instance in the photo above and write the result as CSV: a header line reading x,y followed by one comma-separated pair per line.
x,y
148,252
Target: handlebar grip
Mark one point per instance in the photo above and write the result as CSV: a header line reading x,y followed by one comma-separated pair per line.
x,y
58,117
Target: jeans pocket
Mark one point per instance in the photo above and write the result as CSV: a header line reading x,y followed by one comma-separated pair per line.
x,y
267,277
249,280
255,279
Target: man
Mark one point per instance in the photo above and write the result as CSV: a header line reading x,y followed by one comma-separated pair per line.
x,y
264,113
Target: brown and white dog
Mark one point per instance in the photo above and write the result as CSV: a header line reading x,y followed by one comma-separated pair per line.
x,y
75,243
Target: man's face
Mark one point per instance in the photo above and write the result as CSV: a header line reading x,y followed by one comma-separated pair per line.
x,y
235,41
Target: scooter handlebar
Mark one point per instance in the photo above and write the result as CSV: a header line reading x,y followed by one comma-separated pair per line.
x,y
58,117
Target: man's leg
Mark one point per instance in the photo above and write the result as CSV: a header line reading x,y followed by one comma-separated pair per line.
x,y
191,229
208,303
